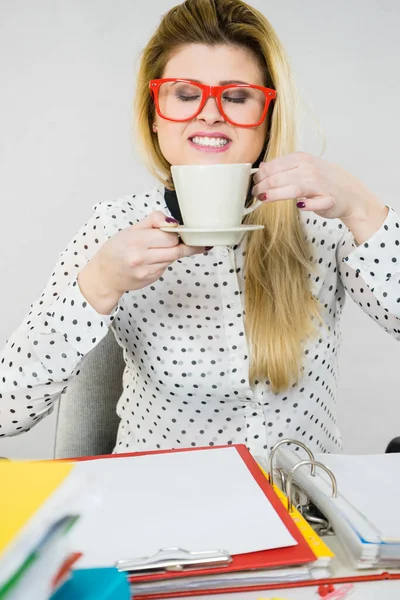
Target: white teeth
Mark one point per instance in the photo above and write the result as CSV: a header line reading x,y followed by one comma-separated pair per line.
x,y
210,141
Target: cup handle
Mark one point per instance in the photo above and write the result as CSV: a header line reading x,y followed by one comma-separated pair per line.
x,y
255,204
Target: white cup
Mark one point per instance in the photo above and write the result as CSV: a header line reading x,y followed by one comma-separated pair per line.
x,y
213,196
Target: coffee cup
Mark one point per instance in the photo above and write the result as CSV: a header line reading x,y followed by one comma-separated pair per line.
x,y
213,196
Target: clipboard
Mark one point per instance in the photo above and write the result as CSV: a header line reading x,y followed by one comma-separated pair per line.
x,y
297,557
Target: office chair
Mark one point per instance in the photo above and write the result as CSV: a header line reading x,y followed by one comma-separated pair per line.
x,y
394,445
87,422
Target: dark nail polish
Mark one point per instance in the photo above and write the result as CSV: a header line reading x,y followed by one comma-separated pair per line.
x,y
301,204
262,196
208,248
171,220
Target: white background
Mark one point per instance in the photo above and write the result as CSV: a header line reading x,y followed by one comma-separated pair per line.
x,y
67,71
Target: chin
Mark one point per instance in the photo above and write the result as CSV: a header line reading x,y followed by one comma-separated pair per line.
x,y
210,158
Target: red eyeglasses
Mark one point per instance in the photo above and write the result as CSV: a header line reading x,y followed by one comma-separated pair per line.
x,y
241,104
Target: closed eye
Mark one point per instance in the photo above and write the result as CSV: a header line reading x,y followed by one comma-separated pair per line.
x,y
183,98
236,100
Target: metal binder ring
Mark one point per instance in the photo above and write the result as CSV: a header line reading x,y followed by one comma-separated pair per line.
x,y
315,463
280,443
282,476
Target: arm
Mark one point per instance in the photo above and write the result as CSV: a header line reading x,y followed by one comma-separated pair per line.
x,y
45,352
71,316
371,272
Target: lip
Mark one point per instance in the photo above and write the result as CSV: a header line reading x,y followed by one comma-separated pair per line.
x,y
215,134
210,134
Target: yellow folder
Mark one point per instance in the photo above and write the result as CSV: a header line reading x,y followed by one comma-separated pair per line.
x,y
320,549
25,486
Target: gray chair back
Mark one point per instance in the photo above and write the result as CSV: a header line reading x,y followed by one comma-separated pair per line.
x,y
87,421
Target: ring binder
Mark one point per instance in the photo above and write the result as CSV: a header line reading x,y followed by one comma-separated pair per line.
x,y
302,463
175,560
271,456
367,530
317,520
282,476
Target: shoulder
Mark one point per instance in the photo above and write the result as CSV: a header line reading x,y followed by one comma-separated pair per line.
x,y
130,209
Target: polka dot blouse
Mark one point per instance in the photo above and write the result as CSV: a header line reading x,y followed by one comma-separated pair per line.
x,y
187,361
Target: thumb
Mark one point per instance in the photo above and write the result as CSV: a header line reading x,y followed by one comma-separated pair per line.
x,y
156,219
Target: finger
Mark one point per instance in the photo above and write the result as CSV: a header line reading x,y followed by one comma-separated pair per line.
x,y
288,192
160,266
279,180
318,203
170,255
155,219
277,165
161,239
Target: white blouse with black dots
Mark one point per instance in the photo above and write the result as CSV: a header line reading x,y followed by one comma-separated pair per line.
x,y
187,361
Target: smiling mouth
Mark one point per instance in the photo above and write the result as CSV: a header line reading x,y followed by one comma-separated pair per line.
x,y
210,142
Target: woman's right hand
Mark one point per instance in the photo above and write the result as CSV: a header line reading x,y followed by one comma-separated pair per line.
x,y
131,259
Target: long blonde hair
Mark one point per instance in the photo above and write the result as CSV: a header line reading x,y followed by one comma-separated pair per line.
x,y
280,308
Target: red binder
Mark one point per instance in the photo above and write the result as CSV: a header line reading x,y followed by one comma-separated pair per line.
x,y
297,555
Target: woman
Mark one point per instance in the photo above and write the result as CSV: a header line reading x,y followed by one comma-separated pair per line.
x,y
229,344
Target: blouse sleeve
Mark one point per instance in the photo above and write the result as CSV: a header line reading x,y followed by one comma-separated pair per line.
x,y
45,352
370,273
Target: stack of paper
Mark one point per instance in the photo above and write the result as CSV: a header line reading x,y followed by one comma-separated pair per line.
x,y
39,502
364,515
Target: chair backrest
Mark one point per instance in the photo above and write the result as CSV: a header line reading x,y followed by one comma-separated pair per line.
x,y
87,421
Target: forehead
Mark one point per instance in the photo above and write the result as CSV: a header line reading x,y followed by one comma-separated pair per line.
x,y
212,64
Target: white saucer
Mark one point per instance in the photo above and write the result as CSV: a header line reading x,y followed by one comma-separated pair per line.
x,y
206,236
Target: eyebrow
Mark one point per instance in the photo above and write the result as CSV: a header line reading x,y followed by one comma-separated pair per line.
x,y
225,82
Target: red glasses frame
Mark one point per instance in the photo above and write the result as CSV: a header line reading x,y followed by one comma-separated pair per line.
x,y
211,91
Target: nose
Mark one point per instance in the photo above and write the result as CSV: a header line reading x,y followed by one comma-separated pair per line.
x,y
210,113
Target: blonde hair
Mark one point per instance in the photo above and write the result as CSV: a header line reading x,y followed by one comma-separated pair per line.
x,y
280,308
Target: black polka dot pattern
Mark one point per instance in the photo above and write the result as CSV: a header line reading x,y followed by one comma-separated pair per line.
x,y
186,380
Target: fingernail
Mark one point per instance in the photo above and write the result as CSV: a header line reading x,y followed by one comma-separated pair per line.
x,y
208,248
171,220
262,196
301,204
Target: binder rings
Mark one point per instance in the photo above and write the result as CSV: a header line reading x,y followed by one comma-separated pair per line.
x,y
356,494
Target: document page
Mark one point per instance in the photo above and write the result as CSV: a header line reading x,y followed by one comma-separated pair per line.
x,y
200,500
371,483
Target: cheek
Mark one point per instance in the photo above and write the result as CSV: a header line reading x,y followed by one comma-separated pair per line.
x,y
251,142
170,139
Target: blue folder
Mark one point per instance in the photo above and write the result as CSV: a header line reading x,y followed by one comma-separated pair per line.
x,y
94,584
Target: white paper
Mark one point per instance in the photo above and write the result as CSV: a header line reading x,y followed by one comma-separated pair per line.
x,y
200,500
371,483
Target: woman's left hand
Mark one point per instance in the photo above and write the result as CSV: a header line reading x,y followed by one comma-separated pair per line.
x,y
317,185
